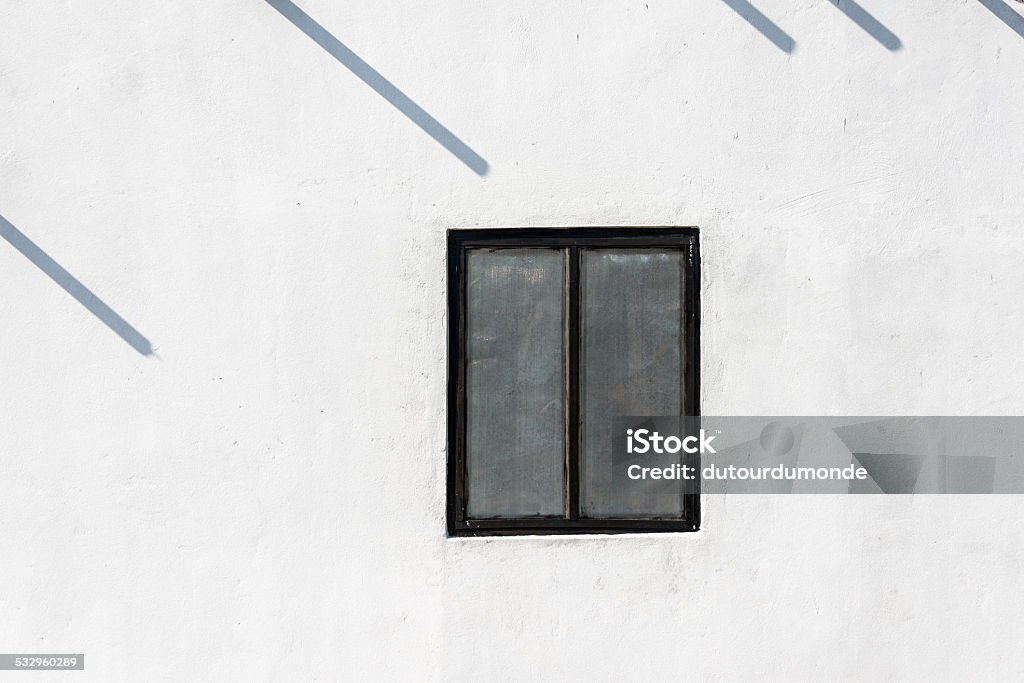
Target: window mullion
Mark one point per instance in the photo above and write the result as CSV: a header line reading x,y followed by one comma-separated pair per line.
x,y
572,398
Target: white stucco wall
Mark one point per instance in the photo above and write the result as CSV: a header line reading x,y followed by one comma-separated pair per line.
x,y
263,498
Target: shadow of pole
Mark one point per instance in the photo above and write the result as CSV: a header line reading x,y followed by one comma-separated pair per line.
x,y
76,289
872,26
382,86
768,28
1005,14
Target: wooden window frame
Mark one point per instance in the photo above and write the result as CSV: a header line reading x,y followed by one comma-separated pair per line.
x,y
573,240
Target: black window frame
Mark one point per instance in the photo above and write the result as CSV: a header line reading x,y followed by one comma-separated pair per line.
x,y
574,240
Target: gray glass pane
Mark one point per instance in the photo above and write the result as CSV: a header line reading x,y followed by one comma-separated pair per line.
x,y
515,383
631,365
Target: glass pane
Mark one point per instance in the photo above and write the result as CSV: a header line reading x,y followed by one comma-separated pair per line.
x,y
630,365
515,383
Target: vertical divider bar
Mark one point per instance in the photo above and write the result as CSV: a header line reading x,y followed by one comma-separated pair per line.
x,y
683,424
456,466
572,442
692,304
463,261
691,503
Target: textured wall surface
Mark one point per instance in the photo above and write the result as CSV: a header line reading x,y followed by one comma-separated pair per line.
x,y
222,359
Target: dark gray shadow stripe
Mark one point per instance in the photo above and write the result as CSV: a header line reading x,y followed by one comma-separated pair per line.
x,y
70,284
872,26
768,28
382,86
1005,14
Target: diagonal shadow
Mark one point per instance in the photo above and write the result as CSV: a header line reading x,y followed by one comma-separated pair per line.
x,y
382,86
1005,14
866,21
768,28
76,289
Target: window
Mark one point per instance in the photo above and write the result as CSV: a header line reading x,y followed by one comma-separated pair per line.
x,y
553,332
